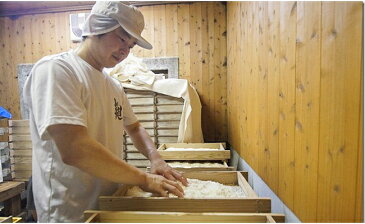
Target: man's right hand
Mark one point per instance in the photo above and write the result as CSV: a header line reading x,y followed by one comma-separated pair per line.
x,y
159,184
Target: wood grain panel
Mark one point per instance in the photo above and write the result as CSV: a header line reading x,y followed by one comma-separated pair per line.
x,y
183,20
262,85
359,210
339,110
307,109
220,80
308,146
232,74
271,157
171,30
159,30
288,13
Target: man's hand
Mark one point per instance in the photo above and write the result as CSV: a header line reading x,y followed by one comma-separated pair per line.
x,y
159,166
143,142
162,186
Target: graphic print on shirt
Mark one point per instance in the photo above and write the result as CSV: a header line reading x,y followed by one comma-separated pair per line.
x,y
118,110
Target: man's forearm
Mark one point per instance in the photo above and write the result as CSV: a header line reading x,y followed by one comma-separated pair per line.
x,y
79,150
100,162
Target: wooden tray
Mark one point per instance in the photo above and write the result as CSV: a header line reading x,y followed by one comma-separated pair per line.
x,y
175,217
192,169
207,154
252,203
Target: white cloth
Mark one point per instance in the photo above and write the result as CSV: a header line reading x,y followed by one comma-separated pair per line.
x,y
131,69
64,89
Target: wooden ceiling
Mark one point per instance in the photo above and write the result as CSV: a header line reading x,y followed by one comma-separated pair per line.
x,y
18,8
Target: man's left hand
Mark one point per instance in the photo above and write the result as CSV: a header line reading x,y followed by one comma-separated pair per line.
x,y
159,166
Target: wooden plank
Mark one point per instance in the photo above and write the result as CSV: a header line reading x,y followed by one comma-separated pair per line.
x,y
195,46
146,117
91,217
341,55
262,84
168,132
193,145
359,210
209,113
142,101
170,108
199,169
220,79
13,138
169,100
271,158
204,91
183,21
244,184
227,177
167,217
143,109
270,219
308,75
10,189
159,29
171,30
23,159
18,123
280,218
19,130
195,155
21,145
22,175
148,32
184,205
21,167
288,16
20,153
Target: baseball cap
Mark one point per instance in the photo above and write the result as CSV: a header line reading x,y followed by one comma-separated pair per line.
x,y
107,16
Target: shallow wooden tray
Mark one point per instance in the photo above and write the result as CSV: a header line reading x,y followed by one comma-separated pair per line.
x,y
252,203
207,154
175,217
191,169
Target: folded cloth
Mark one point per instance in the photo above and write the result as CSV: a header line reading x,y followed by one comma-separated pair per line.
x,y
134,74
133,70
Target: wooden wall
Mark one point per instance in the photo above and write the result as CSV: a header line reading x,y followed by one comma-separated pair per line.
x,y
294,87
196,33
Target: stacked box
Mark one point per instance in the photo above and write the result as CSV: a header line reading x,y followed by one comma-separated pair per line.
x,y
159,114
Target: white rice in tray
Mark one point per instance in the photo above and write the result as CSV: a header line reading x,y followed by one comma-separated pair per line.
x,y
188,149
194,164
198,189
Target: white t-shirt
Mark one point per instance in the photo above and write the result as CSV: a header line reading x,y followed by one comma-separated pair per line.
x,y
64,89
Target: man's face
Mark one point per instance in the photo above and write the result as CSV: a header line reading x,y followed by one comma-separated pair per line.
x,y
113,47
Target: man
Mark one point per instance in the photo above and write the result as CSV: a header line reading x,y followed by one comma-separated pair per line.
x,y
77,115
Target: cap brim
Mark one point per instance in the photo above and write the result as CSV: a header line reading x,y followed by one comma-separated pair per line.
x,y
144,43
140,40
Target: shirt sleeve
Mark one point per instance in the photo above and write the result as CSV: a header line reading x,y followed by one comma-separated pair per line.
x,y
56,97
